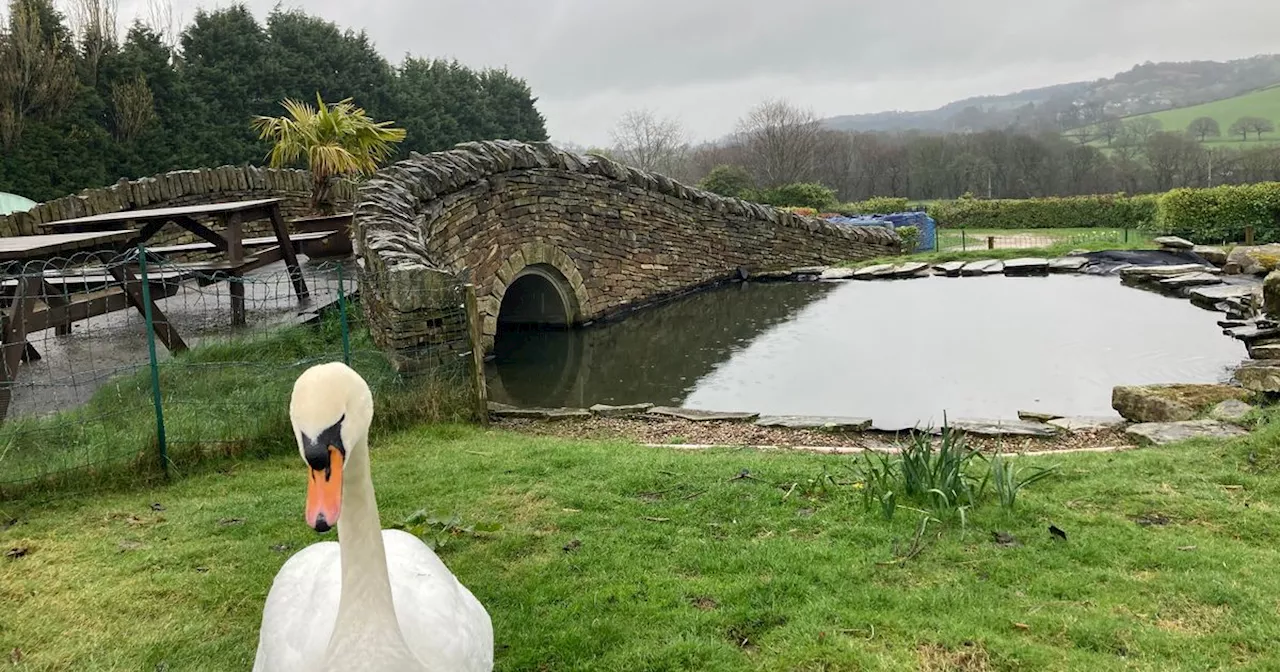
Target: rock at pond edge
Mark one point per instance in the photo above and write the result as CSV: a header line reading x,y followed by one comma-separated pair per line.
x,y
950,268
696,415
837,424
1231,410
1165,433
1214,255
1026,265
1001,428
1170,402
513,412
607,411
837,274
1087,424
1068,264
1038,416
1260,376
1174,243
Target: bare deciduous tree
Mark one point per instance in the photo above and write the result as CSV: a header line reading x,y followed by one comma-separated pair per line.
x,y
94,23
133,108
1110,129
643,140
1204,127
37,73
1173,159
1143,128
781,141
1246,125
162,21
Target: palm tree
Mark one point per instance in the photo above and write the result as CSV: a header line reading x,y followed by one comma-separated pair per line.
x,y
339,139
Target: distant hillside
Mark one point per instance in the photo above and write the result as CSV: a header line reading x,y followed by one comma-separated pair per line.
x,y
1264,103
1150,87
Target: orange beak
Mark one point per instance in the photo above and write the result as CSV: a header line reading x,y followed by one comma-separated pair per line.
x,y
324,493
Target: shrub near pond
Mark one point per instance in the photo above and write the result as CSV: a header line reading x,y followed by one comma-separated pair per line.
x,y
1221,213
1107,211
874,206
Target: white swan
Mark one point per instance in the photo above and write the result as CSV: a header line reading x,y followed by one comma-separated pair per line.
x,y
377,600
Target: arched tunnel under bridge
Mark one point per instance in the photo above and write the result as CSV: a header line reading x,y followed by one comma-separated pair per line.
x,y
538,305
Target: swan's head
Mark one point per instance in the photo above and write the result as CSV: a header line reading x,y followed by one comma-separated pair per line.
x,y
330,409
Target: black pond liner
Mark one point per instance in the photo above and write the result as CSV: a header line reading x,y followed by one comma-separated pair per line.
x,y
1108,261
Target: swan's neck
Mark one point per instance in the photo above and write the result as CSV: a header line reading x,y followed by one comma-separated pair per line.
x,y
366,627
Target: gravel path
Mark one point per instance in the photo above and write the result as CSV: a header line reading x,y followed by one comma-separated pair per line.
x,y
682,432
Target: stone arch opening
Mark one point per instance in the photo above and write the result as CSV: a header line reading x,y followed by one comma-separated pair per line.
x,y
538,298
533,341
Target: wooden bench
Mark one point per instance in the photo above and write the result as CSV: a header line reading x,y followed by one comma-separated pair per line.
x,y
265,241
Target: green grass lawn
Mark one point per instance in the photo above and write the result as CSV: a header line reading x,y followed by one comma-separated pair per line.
x,y
221,398
619,557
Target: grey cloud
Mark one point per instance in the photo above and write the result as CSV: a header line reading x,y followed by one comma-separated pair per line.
x,y
572,50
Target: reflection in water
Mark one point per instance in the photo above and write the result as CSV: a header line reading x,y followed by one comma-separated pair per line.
x,y
899,352
654,355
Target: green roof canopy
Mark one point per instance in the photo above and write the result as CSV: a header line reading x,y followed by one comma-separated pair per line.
x,y
10,203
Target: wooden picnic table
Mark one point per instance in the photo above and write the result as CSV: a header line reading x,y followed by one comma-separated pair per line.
x,y
34,248
24,316
232,215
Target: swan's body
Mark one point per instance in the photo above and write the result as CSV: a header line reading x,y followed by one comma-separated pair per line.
x,y
376,600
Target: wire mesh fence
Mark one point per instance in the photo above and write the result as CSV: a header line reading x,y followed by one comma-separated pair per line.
x,y
138,367
962,240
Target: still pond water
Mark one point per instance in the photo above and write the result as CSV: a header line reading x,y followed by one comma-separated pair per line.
x,y
901,353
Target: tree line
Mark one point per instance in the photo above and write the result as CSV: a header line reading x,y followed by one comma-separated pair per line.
x,y
777,143
81,107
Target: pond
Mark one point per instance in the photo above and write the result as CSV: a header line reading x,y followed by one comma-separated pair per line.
x,y
899,352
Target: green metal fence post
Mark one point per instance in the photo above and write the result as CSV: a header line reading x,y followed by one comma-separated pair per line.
x,y
342,316
161,440
1126,235
964,244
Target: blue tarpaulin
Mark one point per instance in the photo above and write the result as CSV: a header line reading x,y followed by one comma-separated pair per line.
x,y
922,221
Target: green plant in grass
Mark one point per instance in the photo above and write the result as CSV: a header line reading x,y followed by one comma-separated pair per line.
x,y
878,483
1008,480
437,531
942,475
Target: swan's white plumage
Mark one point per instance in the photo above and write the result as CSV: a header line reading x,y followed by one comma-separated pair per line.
x,y
441,621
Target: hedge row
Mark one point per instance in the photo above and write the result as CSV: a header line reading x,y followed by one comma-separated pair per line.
x,y
1106,211
1221,214
873,206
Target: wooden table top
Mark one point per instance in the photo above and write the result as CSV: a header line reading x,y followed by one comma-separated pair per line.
x,y
152,214
22,248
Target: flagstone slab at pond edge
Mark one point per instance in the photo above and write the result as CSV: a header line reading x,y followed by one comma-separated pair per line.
x,y
1165,433
815,422
697,415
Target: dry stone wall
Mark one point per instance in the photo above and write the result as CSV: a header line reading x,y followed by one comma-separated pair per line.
x,y
618,237
179,188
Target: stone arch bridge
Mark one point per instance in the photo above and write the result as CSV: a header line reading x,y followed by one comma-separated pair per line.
x,y
548,237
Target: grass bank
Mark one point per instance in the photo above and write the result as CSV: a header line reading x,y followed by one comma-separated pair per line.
x,y
1044,243
611,556
226,398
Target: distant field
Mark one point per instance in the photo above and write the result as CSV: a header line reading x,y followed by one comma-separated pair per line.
x,y
1263,103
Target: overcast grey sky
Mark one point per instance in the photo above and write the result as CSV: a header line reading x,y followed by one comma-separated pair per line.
x,y
707,61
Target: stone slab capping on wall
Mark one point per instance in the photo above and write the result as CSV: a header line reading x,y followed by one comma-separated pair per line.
x,y
179,188
609,237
